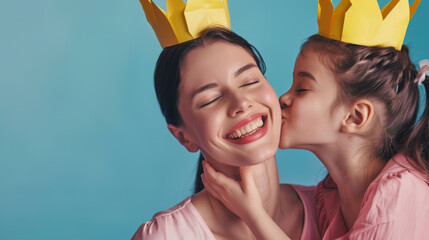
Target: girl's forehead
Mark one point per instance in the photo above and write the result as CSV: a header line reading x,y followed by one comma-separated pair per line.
x,y
310,57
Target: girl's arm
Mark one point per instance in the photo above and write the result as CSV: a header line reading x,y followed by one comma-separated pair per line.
x,y
243,199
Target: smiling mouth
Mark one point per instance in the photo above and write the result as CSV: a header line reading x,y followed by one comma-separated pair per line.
x,y
248,129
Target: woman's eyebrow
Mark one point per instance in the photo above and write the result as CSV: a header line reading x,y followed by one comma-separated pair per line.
x,y
244,68
306,75
203,88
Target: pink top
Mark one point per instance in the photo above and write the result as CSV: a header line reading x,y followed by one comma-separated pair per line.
x,y
307,196
183,221
395,206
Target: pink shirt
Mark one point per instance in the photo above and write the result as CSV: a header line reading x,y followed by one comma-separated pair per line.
x,y
395,206
307,196
183,221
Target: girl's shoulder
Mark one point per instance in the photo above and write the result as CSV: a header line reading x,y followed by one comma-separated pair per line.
x,y
392,192
393,203
182,221
398,185
399,176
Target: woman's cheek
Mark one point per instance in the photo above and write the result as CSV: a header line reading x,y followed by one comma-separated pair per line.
x,y
269,95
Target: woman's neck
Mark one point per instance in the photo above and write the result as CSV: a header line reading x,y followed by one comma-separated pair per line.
x,y
353,171
222,220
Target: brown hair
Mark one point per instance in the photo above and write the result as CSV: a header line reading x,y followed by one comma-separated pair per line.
x,y
385,75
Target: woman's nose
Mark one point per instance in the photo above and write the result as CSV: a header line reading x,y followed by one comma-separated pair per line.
x,y
239,104
285,100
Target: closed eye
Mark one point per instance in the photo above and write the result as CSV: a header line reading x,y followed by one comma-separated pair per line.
x,y
302,90
210,102
250,83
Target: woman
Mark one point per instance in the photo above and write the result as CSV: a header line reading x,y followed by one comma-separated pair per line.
x,y
215,98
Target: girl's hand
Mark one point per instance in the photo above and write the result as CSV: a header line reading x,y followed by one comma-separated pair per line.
x,y
240,197
243,199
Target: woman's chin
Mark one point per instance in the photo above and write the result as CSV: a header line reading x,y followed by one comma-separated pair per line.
x,y
262,156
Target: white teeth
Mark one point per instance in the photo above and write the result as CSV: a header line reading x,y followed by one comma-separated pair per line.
x,y
247,129
237,133
243,131
233,135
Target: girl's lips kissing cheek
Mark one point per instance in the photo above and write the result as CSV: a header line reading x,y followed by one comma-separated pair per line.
x,y
248,130
284,117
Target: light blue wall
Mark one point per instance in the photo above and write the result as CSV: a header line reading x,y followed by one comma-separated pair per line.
x,y
84,150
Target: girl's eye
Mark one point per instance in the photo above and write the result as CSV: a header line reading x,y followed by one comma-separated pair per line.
x,y
302,90
250,83
210,102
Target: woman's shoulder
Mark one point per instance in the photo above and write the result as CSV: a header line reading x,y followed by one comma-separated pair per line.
x,y
303,194
290,195
302,198
310,190
179,222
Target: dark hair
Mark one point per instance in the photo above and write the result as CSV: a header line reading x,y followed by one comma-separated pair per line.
x,y
167,75
387,76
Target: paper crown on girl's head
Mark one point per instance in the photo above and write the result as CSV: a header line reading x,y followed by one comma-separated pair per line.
x,y
361,21
183,22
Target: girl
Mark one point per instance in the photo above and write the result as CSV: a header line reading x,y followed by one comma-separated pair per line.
x,y
215,98
356,108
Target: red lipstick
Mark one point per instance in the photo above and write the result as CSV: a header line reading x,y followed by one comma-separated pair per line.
x,y
257,134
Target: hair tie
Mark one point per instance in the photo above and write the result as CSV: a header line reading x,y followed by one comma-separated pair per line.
x,y
423,72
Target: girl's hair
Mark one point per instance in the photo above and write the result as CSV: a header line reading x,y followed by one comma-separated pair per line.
x,y
387,76
167,75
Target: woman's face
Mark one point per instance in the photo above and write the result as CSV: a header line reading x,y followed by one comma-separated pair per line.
x,y
229,109
309,116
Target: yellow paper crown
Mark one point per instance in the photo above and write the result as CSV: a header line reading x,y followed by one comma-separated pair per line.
x,y
183,22
361,21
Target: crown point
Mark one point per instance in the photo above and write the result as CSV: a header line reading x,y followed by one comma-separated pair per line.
x,y
414,7
324,17
148,10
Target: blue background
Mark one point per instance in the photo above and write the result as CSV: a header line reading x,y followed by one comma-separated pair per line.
x,y
84,150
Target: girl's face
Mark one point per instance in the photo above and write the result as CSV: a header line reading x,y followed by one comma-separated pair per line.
x,y
309,115
229,109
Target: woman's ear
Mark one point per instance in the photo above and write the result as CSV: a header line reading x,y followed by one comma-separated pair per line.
x,y
359,117
180,135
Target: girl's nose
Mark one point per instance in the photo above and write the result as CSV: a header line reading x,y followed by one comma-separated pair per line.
x,y
285,100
